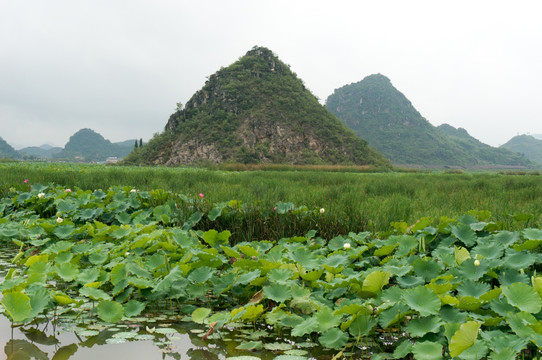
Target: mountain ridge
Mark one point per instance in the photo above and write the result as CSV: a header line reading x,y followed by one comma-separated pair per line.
x,y
255,110
382,115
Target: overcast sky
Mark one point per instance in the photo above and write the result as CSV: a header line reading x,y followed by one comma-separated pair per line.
x,y
119,67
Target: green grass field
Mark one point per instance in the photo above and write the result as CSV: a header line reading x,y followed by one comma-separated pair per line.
x,y
353,201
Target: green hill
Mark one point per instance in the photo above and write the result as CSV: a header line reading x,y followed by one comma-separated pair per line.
x,y
383,116
89,146
256,110
44,151
7,151
527,145
482,152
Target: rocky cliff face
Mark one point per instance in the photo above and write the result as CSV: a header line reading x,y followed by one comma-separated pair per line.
x,y
256,110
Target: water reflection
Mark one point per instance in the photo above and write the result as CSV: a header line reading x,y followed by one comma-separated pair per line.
x,y
46,343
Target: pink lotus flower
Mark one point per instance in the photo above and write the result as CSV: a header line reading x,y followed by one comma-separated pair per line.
x,y
201,195
26,181
68,190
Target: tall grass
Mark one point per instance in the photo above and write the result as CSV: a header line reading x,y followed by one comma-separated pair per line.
x,y
353,201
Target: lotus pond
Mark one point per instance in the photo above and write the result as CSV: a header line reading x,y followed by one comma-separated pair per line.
x,y
98,272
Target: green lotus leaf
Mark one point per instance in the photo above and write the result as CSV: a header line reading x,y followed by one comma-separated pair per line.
x,y
94,294
463,338
404,348
334,338
88,275
281,275
307,326
277,292
201,274
230,252
38,271
409,281
248,277
243,357
521,323
250,345
110,311
310,275
452,315
461,254
64,231
471,288
362,325
426,269
489,250
392,315
192,220
306,258
39,300
523,297
58,247
464,233
67,271
504,354
519,259
118,273
326,319
199,315
120,233
63,257
138,282
213,237
423,300
124,218
407,244
385,250
532,234
133,308
17,306
427,350
498,340
165,284
136,269
528,245
97,258
65,206
418,327
337,260
375,281
62,298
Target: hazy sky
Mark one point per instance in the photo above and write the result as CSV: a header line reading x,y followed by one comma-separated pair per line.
x,y
119,67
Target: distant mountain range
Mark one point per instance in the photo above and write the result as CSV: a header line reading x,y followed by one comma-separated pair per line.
x,y
383,116
44,151
85,146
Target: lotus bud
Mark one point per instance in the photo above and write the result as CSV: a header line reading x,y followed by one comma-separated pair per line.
x,y
346,246
476,262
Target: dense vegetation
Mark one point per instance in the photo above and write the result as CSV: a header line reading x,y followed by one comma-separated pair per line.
x,y
7,151
87,145
256,110
383,116
352,201
527,145
458,289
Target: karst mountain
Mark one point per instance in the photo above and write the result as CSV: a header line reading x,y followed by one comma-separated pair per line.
x,y
383,116
256,110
